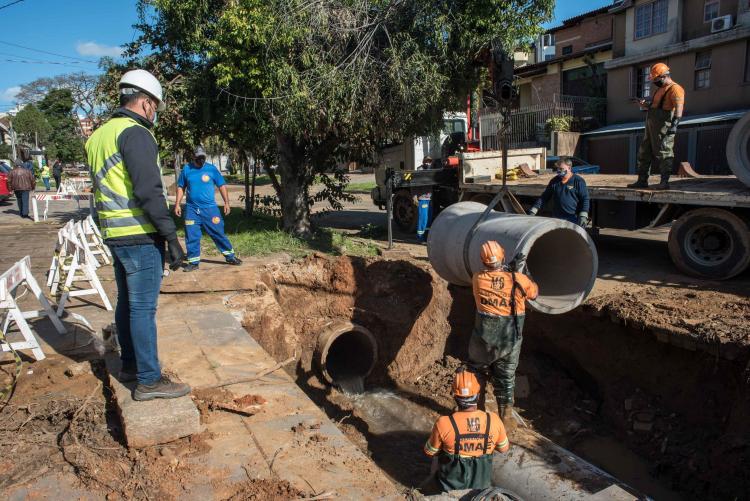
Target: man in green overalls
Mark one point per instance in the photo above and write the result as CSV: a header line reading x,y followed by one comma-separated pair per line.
x,y
462,444
664,114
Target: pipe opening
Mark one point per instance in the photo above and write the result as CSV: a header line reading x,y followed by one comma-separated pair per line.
x,y
347,355
562,264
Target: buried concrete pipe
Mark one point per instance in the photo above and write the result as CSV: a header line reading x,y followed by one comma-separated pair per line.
x,y
345,352
561,257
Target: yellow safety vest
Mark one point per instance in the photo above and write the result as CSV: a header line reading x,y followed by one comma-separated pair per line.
x,y
119,216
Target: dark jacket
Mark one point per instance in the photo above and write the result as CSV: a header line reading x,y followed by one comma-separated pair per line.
x,y
57,169
140,154
569,199
21,179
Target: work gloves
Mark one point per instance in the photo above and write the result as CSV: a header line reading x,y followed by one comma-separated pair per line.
x,y
518,263
175,254
583,219
533,211
672,130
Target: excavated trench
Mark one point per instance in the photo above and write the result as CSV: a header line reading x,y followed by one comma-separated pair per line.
x,y
671,423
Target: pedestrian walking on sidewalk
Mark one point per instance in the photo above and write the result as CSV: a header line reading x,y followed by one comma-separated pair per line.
x,y
135,222
57,171
462,444
199,179
664,113
500,293
21,182
45,176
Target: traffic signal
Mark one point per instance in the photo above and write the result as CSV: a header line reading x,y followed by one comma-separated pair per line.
x,y
502,76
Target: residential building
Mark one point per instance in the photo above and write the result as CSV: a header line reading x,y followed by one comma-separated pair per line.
x,y
706,44
87,126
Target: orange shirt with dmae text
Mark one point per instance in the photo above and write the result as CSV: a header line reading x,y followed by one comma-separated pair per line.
x,y
472,426
492,292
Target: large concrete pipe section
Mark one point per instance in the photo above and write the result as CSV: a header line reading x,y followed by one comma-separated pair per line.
x,y
738,149
345,352
561,257
537,469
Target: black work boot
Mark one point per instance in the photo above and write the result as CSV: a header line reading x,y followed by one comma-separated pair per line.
x,y
506,416
664,184
190,267
163,388
641,183
234,260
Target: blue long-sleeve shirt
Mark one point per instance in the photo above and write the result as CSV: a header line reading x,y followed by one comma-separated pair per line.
x,y
569,199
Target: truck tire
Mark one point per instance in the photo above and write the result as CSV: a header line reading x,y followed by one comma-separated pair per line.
x,y
405,210
738,149
710,243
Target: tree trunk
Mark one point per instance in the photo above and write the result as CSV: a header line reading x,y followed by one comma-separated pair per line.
x,y
293,171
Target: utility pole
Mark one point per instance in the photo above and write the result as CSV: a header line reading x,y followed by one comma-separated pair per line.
x,y
12,138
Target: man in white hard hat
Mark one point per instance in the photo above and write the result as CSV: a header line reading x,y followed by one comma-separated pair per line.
x,y
136,224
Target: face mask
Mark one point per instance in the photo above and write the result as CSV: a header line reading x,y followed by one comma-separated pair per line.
x,y
156,116
200,161
659,83
562,172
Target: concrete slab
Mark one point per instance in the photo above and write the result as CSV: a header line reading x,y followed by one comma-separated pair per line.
x,y
155,421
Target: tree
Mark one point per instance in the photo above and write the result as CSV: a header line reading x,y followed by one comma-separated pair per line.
x,y
31,125
63,142
321,82
82,87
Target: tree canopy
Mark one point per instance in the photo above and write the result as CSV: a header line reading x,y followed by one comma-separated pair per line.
x,y
316,83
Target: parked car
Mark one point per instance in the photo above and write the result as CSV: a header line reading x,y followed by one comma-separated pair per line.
x,y
580,166
4,191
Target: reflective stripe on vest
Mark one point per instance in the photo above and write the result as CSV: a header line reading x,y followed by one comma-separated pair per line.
x,y
119,215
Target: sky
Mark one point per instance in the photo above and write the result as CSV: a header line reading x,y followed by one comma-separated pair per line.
x,y
79,32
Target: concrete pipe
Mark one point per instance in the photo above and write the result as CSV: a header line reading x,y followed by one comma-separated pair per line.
x,y
537,468
561,257
738,149
345,352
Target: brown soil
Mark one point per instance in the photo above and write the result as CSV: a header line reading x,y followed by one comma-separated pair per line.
x,y
708,316
265,490
59,424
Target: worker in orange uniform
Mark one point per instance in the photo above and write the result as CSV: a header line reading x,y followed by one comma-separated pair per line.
x,y
664,113
462,444
500,293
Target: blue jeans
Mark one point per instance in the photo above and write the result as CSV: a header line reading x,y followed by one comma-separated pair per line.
x,y
22,197
45,180
138,273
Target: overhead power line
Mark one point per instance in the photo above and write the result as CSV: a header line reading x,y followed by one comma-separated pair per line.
x,y
26,61
48,53
9,4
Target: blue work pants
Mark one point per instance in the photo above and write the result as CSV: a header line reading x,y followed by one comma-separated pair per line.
x,y
424,207
45,180
138,273
208,219
22,197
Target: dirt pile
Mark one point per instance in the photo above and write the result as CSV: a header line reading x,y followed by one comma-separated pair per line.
x,y
706,316
265,490
58,424
403,304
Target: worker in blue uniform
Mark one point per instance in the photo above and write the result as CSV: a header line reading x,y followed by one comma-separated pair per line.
x,y
569,194
199,179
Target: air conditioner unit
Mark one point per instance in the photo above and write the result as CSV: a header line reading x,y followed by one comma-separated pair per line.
x,y
722,23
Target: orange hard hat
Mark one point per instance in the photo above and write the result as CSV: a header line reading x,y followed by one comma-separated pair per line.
x,y
657,70
492,254
465,384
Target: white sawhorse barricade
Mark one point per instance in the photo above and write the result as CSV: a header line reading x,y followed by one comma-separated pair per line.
x,y
75,261
47,197
20,274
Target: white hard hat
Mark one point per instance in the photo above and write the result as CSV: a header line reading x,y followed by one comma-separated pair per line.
x,y
145,81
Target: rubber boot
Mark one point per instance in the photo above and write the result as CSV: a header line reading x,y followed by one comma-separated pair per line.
x,y
641,183
506,416
664,184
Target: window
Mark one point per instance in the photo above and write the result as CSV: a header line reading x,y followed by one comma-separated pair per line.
x,y
650,19
568,49
641,84
702,70
710,10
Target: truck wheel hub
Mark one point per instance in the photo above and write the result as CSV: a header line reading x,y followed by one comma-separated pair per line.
x,y
709,244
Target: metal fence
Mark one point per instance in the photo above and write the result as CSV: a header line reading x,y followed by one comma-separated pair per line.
x,y
528,124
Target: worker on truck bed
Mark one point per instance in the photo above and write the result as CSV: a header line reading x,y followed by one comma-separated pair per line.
x,y
664,113
462,444
426,163
569,193
500,293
